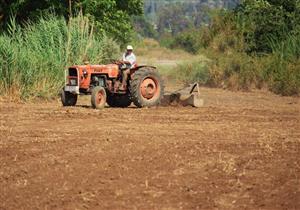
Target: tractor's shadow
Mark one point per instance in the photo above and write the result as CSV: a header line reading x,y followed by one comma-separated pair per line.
x,y
106,107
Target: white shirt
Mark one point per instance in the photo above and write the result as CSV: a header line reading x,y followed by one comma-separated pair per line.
x,y
130,58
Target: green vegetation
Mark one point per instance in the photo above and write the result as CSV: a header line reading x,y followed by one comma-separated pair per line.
x,y
176,16
254,46
111,17
194,71
33,58
40,38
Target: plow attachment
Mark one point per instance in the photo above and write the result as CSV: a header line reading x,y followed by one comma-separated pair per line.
x,y
189,96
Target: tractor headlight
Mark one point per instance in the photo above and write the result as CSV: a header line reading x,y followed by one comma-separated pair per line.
x,y
73,82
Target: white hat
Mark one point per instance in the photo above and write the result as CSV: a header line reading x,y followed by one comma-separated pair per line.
x,y
129,47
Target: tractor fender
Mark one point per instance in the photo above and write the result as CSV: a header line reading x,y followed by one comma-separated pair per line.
x,y
133,70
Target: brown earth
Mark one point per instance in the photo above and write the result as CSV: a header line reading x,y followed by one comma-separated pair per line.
x,y
242,151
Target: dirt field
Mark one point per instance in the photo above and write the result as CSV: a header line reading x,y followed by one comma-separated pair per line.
x,y
242,151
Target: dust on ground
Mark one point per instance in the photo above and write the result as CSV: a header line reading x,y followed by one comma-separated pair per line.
x,y
239,151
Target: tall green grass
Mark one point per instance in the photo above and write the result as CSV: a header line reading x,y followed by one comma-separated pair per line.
x,y
232,66
283,73
33,58
189,72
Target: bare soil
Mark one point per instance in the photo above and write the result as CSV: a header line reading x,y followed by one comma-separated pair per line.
x,y
241,151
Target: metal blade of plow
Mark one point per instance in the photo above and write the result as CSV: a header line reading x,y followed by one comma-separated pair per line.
x,y
188,96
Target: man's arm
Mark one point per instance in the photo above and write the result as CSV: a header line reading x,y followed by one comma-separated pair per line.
x,y
124,57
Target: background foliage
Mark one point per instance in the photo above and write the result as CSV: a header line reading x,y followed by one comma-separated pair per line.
x,y
273,28
249,43
255,45
40,38
110,16
33,58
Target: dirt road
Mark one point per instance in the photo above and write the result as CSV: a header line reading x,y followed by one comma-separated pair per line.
x,y
242,150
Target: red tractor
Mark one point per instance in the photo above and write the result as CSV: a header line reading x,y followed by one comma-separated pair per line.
x,y
144,86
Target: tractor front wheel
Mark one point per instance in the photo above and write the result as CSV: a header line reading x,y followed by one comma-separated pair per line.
x,y
68,99
98,98
146,88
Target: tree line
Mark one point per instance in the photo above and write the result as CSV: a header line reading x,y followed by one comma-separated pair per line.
x,y
257,44
110,16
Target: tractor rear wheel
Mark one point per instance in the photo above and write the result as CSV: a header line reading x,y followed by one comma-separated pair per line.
x,y
98,98
68,99
122,101
146,88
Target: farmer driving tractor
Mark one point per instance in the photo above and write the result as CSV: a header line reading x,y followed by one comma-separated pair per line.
x,y
103,83
130,61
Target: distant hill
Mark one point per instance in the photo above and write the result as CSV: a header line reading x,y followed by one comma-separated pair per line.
x,y
152,7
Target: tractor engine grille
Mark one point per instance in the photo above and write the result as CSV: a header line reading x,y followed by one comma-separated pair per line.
x,y
73,81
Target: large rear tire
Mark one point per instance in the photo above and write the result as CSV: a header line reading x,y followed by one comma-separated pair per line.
x,y
98,98
68,99
146,88
121,101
